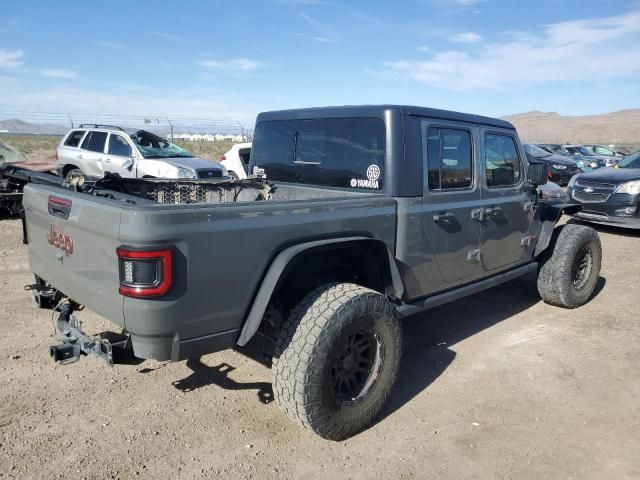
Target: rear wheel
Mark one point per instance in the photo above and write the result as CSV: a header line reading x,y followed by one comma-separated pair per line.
x,y
569,272
233,175
336,359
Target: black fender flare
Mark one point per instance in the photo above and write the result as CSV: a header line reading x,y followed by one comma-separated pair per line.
x,y
277,267
549,218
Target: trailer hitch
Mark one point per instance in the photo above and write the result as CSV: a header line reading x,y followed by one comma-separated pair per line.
x,y
75,342
44,295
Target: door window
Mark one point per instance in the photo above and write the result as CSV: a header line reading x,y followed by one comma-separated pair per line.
x,y
449,159
502,163
119,146
73,140
94,141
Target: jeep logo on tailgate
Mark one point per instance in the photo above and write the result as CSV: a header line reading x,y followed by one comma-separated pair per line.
x,y
60,240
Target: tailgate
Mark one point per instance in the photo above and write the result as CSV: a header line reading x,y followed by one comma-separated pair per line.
x,y
73,246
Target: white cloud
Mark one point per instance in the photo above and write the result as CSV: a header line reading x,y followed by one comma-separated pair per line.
x,y
10,59
167,36
58,73
424,49
466,37
237,64
25,96
315,38
571,51
114,45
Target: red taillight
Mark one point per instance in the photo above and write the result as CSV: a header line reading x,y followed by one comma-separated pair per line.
x,y
64,202
145,273
55,155
222,157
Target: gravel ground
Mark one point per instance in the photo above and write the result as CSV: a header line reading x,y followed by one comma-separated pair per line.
x,y
498,385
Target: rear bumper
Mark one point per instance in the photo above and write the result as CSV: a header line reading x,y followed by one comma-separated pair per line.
x,y
174,349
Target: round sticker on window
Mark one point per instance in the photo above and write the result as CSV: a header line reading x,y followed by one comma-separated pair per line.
x,y
373,172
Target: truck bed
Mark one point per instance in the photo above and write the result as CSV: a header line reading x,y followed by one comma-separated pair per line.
x,y
222,251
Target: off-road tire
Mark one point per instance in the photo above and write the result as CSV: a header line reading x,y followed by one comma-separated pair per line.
x,y
305,358
571,247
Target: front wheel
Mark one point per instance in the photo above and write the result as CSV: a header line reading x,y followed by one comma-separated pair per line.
x,y
336,359
75,174
570,270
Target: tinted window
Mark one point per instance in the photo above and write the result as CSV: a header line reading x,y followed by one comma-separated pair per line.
x,y
245,156
603,151
94,141
119,146
332,152
73,140
449,158
501,160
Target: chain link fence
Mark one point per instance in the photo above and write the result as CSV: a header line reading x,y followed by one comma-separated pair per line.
x,y
174,128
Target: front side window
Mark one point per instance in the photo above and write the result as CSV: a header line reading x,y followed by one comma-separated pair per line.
x,y
94,141
502,164
119,146
449,158
340,152
73,140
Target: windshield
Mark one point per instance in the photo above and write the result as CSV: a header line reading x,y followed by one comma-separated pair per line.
x,y
536,151
584,151
151,145
632,161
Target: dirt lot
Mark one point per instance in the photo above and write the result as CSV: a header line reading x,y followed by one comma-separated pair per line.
x,y
499,385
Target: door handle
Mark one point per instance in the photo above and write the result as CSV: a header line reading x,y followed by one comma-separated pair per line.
x,y
493,211
80,157
107,160
443,217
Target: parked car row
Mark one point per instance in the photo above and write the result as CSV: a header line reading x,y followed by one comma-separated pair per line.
x,y
587,156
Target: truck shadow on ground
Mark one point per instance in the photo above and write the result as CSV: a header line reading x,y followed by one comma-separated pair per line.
x,y
428,337
204,375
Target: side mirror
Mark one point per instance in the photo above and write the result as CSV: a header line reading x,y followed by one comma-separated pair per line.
x,y
538,174
128,164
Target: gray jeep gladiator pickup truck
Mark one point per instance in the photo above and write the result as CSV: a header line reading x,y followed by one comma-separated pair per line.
x,y
353,218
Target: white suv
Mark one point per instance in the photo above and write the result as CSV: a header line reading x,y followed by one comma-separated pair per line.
x,y
236,160
93,150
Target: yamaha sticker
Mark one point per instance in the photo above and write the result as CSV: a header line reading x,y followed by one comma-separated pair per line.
x,y
373,174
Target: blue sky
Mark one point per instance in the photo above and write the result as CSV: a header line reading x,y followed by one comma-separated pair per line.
x,y
226,59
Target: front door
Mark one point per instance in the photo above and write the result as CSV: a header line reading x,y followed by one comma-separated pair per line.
x,y
508,208
452,199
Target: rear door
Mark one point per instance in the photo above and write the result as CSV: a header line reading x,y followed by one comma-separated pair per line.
x,y
117,158
508,208
452,197
91,155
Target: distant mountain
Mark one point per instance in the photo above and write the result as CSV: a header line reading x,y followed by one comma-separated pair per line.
x,y
14,125
620,128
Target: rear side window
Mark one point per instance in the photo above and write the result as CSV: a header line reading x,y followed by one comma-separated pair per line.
x,y
340,152
449,158
73,140
502,163
119,146
94,141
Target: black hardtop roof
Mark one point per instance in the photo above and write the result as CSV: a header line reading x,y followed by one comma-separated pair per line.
x,y
379,111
